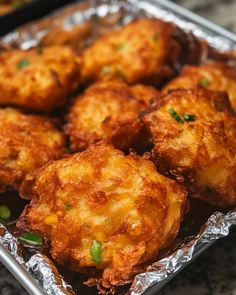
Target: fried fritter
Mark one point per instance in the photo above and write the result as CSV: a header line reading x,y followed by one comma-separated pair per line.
x,y
74,37
194,132
145,51
27,142
109,110
103,210
213,76
38,79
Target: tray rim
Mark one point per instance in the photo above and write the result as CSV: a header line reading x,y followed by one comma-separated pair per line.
x,y
16,269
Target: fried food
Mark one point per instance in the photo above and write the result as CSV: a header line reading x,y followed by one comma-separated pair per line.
x,y
145,51
194,132
27,142
74,37
213,76
38,79
106,211
109,110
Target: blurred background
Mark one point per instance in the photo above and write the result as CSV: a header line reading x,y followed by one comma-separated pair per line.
x,y
220,11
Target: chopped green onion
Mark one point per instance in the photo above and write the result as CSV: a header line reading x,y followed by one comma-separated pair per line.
x,y
5,213
31,239
175,115
154,37
120,46
106,69
96,251
23,63
204,82
68,206
189,118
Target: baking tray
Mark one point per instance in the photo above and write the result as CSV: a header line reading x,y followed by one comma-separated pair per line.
x,y
218,38
29,11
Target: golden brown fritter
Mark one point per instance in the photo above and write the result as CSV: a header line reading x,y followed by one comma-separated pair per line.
x,y
145,51
74,37
213,76
194,132
104,210
38,79
109,110
27,142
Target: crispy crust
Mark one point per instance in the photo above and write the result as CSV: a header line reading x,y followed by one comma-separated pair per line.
x,y
50,76
202,151
120,201
219,76
146,51
27,142
72,37
109,110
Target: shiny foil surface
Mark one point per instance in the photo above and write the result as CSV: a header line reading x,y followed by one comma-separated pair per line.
x,y
119,13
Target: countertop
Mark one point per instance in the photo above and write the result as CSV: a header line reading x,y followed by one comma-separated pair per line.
x,y
214,272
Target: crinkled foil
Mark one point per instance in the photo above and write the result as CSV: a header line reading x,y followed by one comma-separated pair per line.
x,y
41,268
216,227
122,12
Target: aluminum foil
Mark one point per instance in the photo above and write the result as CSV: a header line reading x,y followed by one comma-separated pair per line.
x,y
216,227
41,268
122,12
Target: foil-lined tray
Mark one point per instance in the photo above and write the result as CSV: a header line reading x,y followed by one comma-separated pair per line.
x,y
36,272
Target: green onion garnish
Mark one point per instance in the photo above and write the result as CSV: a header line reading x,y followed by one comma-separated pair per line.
x,y
189,118
204,82
96,251
23,63
31,239
5,213
175,115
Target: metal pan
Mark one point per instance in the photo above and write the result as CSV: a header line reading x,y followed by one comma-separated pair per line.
x,y
217,37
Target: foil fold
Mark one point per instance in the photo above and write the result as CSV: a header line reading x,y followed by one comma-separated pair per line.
x,y
217,226
40,266
43,269
46,273
30,35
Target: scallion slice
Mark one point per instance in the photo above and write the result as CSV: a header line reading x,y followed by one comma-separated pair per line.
x,y
31,239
